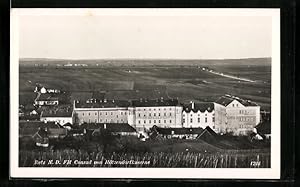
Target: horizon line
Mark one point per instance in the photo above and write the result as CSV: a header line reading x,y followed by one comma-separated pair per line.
x,y
72,59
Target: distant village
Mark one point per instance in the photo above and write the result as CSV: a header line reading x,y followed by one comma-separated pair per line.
x,y
50,118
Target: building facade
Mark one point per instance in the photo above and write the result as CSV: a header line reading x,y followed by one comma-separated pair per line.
x,y
235,115
100,111
198,115
144,113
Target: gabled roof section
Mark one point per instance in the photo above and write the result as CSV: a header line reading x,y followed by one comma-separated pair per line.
x,y
227,99
202,107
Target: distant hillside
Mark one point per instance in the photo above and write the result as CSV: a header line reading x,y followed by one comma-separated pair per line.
x,y
147,62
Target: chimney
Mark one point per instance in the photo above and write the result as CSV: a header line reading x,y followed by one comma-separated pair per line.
x,y
193,104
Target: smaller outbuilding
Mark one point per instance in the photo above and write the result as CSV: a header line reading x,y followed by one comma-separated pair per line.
x,y
180,133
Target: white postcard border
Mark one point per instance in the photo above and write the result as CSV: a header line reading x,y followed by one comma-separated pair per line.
x,y
188,173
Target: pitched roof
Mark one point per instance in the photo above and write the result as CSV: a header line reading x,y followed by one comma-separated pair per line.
x,y
57,113
38,124
199,107
227,99
113,127
264,127
102,104
208,134
47,97
178,131
154,102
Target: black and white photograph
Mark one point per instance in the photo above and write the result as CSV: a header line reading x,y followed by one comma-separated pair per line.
x,y
177,93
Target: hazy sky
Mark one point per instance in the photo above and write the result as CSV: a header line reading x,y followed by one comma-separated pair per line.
x,y
192,37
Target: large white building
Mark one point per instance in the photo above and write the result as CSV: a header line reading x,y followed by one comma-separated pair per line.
x,y
145,113
198,115
228,114
101,111
235,115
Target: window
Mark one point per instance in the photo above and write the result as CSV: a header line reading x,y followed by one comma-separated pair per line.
x,y
105,113
232,105
124,113
154,114
139,121
164,108
100,113
149,121
205,120
117,116
121,113
154,121
170,121
144,121
165,121
144,115
191,120
158,114
95,113
150,114
213,119
111,113
139,115
164,114
82,114
183,120
158,121
198,120
170,114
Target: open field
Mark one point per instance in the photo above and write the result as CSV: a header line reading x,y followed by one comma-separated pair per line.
x,y
159,159
167,153
151,80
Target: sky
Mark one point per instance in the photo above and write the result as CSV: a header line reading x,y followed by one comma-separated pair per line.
x,y
146,36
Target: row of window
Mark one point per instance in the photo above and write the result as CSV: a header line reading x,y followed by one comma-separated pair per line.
x,y
246,119
104,121
154,109
154,114
198,115
198,120
154,121
105,113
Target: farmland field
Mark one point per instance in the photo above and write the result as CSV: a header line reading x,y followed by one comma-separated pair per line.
x,y
132,80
